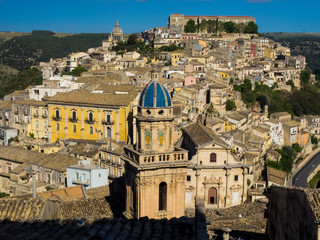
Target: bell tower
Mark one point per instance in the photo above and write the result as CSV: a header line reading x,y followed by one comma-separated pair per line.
x,y
155,120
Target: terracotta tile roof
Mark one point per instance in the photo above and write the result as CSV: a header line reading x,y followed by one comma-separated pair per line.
x,y
74,192
201,135
55,161
252,218
98,192
144,228
5,105
90,99
276,176
30,102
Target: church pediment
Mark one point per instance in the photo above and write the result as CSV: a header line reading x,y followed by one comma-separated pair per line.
x,y
212,179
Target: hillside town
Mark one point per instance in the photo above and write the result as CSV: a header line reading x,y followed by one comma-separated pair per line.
x,y
160,135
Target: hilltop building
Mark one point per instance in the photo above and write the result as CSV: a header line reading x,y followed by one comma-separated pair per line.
x,y
115,36
178,20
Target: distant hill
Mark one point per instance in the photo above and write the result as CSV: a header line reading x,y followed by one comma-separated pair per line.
x,y
20,50
307,44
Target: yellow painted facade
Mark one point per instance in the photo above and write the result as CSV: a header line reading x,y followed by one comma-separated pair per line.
x,y
204,45
38,125
223,75
90,123
270,53
229,126
175,58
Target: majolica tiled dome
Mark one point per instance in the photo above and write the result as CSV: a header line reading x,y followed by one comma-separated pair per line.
x,y
154,95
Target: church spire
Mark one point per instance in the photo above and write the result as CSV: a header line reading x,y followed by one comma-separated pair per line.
x,y
117,23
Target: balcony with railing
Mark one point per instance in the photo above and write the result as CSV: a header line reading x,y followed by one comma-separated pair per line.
x,y
73,120
55,118
90,121
44,116
179,155
106,122
36,115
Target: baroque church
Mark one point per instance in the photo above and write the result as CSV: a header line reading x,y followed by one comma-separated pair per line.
x,y
164,179
115,36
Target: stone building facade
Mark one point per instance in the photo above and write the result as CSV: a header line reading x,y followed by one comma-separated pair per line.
x,y
178,20
155,170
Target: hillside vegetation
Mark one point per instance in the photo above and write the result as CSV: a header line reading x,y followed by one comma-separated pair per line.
x,y
307,44
29,50
20,51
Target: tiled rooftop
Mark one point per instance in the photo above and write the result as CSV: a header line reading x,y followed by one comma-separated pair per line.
x,y
111,229
55,161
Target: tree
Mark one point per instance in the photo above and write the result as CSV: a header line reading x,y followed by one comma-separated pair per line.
x,y
251,28
314,140
230,105
241,27
219,27
211,26
132,39
190,27
203,25
305,76
78,70
229,27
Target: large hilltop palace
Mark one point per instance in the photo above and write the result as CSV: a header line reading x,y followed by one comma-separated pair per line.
x,y
180,20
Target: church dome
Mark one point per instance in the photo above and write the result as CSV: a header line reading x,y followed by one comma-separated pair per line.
x,y
117,29
155,95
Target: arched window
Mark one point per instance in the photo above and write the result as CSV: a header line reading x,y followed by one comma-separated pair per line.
x,y
74,115
212,196
57,113
163,196
91,130
37,124
213,157
108,132
74,128
90,116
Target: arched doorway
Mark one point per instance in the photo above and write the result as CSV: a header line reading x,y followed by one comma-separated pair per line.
x,y
163,196
212,196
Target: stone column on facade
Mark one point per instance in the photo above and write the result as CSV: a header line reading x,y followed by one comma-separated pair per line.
x,y
244,187
82,123
99,131
219,194
141,142
49,124
154,133
117,133
167,143
138,184
66,123
134,126
227,187
197,183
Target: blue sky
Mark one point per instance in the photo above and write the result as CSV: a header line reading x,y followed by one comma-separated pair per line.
x,y
99,16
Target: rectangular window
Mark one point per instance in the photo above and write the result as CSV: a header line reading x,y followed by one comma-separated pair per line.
x,y
235,178
188,178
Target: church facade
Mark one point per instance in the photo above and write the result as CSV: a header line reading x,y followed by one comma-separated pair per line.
x,y
165,180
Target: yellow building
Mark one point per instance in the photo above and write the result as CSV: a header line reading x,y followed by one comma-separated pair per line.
x,y
38,125
270,53
90,116
175,58
228,126
223,75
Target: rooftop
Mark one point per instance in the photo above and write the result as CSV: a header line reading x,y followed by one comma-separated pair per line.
x,y
201,135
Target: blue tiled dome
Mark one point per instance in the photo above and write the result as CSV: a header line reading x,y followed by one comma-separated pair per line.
x,y
154,95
